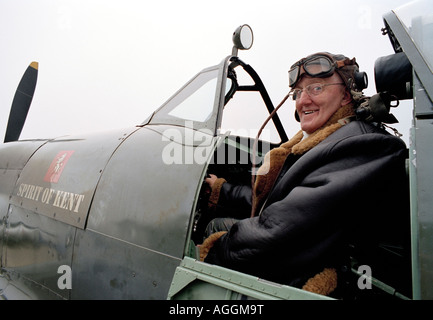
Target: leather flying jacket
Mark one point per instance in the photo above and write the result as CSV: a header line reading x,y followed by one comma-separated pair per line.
x,y
349,188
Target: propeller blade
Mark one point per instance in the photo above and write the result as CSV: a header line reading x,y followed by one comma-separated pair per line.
x,y
21,103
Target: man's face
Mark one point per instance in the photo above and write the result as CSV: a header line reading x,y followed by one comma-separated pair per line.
x,y
314,111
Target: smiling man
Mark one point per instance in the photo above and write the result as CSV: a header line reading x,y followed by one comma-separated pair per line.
x,y
313,106
339,181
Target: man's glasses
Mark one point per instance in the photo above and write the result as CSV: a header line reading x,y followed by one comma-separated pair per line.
x,y
312,90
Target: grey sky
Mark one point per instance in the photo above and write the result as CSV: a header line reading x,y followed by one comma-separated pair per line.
x,y
108,64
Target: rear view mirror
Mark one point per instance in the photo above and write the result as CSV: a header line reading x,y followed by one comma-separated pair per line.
x,y
242,38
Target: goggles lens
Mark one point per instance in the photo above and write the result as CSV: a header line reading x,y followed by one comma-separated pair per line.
x,y
318,67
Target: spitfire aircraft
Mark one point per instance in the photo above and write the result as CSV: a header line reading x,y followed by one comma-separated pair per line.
x,y
119,214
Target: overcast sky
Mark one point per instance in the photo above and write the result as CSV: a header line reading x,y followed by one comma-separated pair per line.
x,y
108,64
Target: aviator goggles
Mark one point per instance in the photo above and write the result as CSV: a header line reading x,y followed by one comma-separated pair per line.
x,y
317,66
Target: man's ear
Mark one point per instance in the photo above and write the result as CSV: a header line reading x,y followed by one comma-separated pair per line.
x,y
347,98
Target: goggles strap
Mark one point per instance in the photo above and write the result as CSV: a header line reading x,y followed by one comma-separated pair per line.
x,y
340,64
347,61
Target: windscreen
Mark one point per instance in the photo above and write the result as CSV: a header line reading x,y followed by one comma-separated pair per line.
x,y
417,18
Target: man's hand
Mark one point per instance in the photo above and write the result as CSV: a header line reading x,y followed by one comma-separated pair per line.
x,y
210,180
